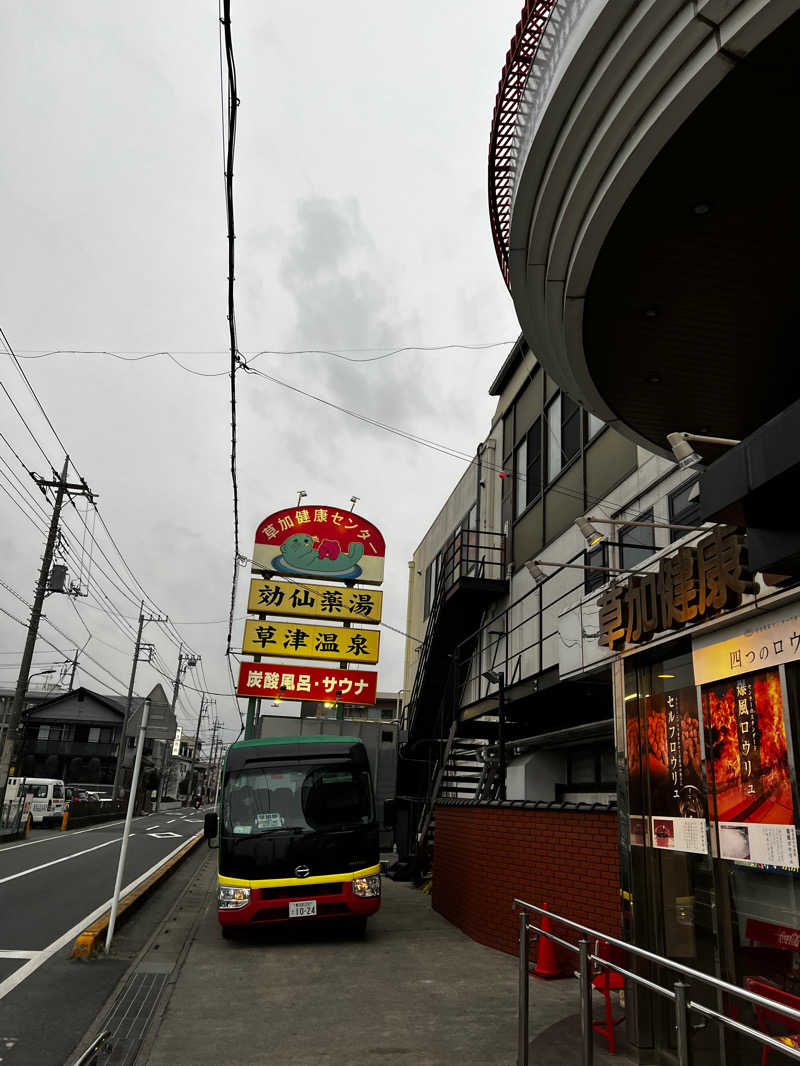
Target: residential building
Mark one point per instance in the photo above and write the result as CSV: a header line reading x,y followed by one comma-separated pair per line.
x,y
75,736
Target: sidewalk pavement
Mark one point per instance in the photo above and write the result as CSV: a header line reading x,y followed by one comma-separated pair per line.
x,y
415,991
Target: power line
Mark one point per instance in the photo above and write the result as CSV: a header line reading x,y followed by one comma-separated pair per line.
x,y
336,353
55,647
31,389
233,107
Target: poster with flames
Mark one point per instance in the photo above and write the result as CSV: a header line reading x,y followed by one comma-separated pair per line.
x,y
678,820
748,769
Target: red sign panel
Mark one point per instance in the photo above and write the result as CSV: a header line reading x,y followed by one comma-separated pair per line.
x,y
777,936
320,542
307,683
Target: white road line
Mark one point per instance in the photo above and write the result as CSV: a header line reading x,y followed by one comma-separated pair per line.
x,y
32,965
171,821
67,835
8,953
64,858
149,827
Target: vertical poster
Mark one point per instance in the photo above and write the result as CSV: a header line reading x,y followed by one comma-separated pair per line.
x,y
748,766
633,746
676,787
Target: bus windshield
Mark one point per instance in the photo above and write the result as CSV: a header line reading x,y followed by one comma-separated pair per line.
x,y
302,797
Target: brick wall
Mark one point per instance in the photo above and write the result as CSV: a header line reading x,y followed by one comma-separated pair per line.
x,y
484,856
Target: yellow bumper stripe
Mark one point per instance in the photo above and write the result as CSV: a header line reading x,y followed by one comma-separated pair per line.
x,y
282,882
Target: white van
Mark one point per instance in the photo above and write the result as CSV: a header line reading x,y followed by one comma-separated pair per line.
x,y
46,794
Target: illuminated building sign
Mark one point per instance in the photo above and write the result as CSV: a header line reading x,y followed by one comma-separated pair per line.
x,y
315,601
316,683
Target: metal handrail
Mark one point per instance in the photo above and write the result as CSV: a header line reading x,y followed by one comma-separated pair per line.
x,y
678,993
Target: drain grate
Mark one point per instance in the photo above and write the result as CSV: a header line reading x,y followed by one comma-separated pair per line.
x,y
132,1012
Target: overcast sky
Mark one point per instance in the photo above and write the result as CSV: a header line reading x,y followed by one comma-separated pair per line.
x,y
360,186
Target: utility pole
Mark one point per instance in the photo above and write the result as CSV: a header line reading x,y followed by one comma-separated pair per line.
x,y
213,752
184,663
10,751
194,750
136,659
72,672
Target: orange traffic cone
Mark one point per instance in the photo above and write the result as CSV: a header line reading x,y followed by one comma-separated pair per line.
x,y
546,963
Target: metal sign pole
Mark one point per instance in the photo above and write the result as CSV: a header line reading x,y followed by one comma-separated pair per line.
x,y
126,832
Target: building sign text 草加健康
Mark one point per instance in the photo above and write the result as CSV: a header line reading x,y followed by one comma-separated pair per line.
x,y
693,584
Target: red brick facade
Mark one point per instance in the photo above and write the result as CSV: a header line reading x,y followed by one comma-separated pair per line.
x,y
485,856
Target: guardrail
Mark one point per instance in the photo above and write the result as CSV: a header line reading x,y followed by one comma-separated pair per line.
x,y
678,994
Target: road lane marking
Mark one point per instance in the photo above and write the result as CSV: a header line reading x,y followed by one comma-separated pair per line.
x,y
171,821
161,836
71,833
24,971
149,827
64,858
7,953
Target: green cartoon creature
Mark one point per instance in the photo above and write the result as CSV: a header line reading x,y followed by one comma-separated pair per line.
x,y
300,556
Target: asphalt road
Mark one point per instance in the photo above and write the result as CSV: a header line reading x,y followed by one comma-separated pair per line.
x,y
51,887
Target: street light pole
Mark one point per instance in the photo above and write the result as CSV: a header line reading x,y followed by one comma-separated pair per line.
x,y
137,766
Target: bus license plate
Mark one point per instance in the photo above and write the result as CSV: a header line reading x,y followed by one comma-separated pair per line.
x,y
303,908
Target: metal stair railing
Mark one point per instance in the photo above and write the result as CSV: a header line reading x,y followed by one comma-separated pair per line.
x,y
589,961
425,650
427,811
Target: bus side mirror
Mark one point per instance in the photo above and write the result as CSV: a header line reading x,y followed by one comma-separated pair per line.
x,y
210,825
389,814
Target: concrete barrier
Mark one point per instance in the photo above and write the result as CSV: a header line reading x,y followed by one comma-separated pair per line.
x,y
89,940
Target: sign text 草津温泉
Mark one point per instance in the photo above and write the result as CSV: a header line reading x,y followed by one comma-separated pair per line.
x,y
297,640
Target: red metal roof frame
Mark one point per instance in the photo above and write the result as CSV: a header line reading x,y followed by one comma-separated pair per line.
x,y
502,140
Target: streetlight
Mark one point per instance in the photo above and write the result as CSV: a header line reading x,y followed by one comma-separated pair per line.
x,y
39,674
497,677
684,453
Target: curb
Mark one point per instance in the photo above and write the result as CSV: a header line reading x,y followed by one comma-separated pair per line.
x,y
87,942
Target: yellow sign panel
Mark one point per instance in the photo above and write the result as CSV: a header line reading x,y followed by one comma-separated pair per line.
x,y
315,601
294,640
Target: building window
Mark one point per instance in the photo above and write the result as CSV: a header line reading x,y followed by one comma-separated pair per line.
x,y
387,714
520,477
386,736
563,433
636,543
593,426
94,734
596,557
44,732
553,418
570,428
533,476
682,510
431,574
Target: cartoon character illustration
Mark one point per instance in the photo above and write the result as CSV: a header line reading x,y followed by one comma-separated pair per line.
x,y
300,556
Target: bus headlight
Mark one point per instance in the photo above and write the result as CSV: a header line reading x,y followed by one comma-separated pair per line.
x,y
233,897
367,886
